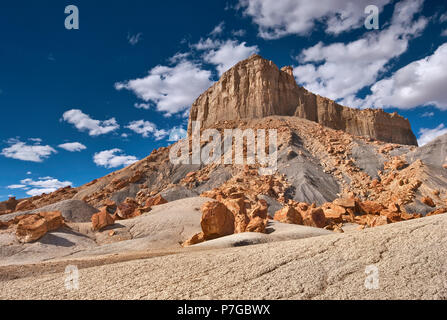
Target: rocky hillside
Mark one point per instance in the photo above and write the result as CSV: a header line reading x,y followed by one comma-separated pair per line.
x,y
336,167
256,88
316,164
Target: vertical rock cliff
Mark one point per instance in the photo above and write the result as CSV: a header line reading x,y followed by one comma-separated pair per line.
x,y
257,88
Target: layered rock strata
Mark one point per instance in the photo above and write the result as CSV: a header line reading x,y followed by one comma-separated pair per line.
x,y
257,88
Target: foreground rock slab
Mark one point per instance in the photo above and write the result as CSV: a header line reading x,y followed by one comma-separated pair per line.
x,y
31,228
409,256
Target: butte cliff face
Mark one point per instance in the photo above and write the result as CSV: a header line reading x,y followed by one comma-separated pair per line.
x,y
257,88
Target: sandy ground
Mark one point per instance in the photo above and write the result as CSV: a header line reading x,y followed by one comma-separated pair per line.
x,y
410,258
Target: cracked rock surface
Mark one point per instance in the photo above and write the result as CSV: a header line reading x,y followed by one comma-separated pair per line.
x,y
410,258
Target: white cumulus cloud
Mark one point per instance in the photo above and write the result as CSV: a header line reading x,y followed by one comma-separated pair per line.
x,y
73,146
170,89
146,128
113,158
420,83
206,44
16,186
226,54
427,135
144,106
279,18
443,18
40,186
218,29
239,33
427,114
83,122
22,151
340,70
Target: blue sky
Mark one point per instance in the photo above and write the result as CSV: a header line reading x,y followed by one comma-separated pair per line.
x,y
78,104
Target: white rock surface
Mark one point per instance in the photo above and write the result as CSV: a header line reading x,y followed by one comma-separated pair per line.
x,y
409,256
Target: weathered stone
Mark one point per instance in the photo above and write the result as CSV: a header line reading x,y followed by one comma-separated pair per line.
x,y
260,210
407,216
239,211
394,207
127,209
155,201
338,229
118,184
136,177
102,219
375,221
257,224
9,205
428,201
302,206
31,228
288,214
437,211
396,164
333,212
111,206
23,205
217,221
345,202
197,238
370,207
6,212
54,220
315,217
391,216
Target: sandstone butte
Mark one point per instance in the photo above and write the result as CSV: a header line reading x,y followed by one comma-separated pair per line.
x,y
256,88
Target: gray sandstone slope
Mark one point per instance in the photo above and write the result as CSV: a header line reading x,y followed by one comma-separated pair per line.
x,y
434,156
71,210
367,159
409,256
433,153
158,174
309,182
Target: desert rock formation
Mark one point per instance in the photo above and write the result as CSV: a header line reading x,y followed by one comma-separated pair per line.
x,y
353,180
257,88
